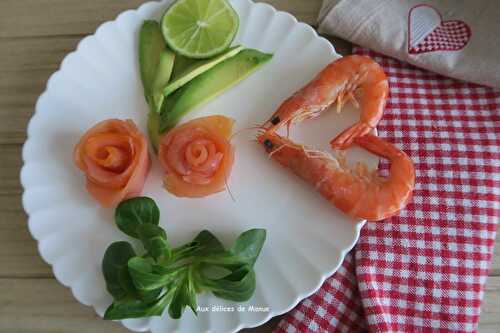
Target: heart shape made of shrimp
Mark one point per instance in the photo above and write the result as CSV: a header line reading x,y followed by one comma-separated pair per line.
x,y
427,32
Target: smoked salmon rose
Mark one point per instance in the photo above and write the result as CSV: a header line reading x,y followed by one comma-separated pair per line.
x,y
197,156
114,157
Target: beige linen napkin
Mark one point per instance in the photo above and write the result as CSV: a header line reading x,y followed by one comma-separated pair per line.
x,y
459,39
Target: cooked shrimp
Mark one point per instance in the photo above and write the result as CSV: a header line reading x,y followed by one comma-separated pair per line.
x,y
357,192
339,82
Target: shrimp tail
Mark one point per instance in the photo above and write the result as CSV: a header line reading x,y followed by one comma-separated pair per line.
x,y
379,147
345,139
401,181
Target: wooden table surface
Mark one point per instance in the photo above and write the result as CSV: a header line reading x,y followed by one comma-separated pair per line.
x,y
35,35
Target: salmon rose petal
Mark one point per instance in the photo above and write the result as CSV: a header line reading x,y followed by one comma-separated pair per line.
x,y
114,157
197,156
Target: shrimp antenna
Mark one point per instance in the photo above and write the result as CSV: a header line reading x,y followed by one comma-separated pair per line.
x,y
283,145
255,127
228,189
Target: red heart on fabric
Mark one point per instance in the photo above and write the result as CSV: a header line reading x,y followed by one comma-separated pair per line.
x,y
427,32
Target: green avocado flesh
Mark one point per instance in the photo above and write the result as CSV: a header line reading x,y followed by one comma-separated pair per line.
x,y
154,129
162,77
209,85
156,64
181,64
151,46
196,68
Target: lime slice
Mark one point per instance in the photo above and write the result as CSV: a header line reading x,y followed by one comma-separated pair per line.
x,y
200,28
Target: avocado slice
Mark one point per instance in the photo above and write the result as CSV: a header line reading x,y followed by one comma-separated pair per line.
x,y
156,63
154,129
180,65
151,46
196,68
209,85
163,75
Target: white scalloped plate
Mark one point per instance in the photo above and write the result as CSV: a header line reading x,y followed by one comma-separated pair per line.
x,y
307,237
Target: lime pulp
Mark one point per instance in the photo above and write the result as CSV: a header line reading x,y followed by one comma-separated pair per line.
x,y
200,28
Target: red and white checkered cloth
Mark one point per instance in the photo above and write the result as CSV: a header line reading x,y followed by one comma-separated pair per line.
x,y
426,268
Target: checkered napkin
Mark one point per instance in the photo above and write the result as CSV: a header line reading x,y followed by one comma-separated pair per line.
x,y
426,268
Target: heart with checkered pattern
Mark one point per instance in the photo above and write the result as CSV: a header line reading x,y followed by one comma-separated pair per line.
x,y
427,32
